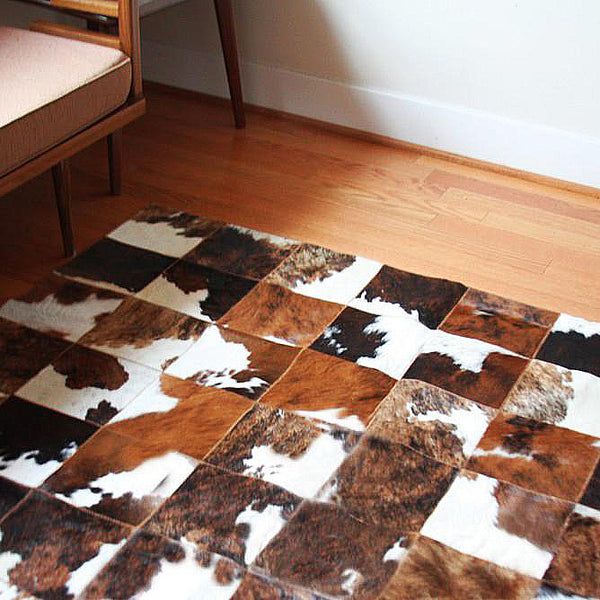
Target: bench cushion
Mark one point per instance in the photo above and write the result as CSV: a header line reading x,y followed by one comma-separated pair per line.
x,y
52,88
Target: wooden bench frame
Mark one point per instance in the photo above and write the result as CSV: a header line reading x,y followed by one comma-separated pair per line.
x,y
124,14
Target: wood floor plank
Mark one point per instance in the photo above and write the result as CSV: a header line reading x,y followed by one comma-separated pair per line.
x,y
509,181
561,207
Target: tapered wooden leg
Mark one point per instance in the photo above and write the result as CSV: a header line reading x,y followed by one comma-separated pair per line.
x,y
115,153
224,12
61,174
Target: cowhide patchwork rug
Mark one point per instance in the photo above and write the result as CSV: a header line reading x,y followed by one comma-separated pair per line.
x,y
197,410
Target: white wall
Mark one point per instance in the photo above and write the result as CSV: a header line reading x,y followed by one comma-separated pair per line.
x,y
515,82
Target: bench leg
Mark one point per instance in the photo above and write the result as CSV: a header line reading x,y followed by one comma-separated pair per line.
x,y
224,12
61,175
115,154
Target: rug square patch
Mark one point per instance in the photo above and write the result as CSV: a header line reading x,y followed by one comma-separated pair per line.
x,y
333,553
35,441
181,415
393,292
432,421
151,335
10,494
233,361
168,232
499,522
277,314
428,569
467,367
573,343
389,485
242,251
87,384
537,456
591,495
116,266
284,449
559,396
222,512
323,387
512,325
386,343
120,477
575,564
151,566
254,587
321,273
200,292
60,307
52,550
23,353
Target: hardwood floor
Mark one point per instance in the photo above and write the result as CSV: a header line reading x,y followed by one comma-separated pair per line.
x,y
526,241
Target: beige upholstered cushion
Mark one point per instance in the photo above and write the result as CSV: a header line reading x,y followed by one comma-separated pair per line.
x,y
51,88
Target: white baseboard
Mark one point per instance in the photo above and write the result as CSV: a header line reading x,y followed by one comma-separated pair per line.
x,y
475,134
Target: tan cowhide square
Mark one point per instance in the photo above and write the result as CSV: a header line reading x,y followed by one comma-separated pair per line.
x,y
537,456
181,415
323,387
120,477
512,325
274,313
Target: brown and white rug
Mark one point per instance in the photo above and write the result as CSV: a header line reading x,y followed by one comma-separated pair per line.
x,y
191,409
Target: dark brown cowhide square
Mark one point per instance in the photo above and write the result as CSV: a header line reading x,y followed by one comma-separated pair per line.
x,y
242,251
54,549
395,292
109,263
225,513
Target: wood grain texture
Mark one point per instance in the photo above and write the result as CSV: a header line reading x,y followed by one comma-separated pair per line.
x,y
534,243
109,8
74,33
